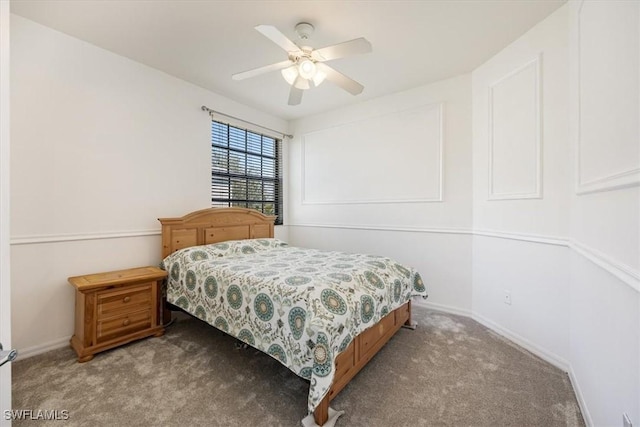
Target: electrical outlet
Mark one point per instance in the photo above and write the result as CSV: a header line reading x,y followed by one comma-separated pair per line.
x,y
506,297
626,421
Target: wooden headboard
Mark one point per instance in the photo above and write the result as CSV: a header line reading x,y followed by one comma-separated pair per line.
x,y
213,225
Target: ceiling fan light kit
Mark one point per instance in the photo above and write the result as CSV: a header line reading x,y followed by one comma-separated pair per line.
x,y
305,67
290,74
311,74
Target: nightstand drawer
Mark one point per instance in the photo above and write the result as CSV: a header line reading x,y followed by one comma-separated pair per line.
x,y
119,301
123,325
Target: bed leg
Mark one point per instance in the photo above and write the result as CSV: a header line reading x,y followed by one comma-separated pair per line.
x,y
166,313
321,414
410,324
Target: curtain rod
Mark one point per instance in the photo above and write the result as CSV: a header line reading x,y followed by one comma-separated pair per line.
x,y
210,111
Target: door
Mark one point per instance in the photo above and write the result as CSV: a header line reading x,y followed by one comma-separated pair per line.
x,y
5,290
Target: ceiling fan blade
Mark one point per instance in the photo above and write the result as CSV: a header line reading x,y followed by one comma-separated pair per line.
x,y
352,47
261,70
295,96
337,78
273,34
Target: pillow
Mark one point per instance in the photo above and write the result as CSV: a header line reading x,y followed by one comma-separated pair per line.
x,y
250,246
215,250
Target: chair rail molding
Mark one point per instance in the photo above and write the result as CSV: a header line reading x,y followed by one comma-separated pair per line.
x,y
620,270
56,238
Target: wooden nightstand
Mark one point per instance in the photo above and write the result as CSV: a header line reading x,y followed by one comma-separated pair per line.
x,y
115,308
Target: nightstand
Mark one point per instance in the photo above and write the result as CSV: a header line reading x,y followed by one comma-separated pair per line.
x,y
115,308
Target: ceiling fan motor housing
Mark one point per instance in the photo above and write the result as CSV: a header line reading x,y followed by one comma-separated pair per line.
x,y
304,30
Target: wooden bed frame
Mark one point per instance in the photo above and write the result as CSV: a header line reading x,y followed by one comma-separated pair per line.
x,y
215,225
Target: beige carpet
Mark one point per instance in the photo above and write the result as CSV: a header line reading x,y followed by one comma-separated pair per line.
x,y
451,371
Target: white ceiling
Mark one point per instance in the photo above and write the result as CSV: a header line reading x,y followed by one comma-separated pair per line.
x,y
205,42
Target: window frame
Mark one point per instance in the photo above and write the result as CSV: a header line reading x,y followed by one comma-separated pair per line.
x,y
246,177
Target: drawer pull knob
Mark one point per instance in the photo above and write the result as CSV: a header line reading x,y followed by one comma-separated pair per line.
x,y
127,299
125,322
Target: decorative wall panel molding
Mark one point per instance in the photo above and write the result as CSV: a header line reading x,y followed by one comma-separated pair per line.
x,y
607,96
515,134
393,158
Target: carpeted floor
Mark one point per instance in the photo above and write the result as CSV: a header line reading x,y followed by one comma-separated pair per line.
x,y
451,371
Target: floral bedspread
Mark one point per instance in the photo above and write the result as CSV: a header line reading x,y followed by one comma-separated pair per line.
x,y
301,306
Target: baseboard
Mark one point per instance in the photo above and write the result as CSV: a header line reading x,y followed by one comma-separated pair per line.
x,y
43,348
555,360
441,307
548,356
580,398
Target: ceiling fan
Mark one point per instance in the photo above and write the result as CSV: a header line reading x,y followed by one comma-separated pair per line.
x,y
305,67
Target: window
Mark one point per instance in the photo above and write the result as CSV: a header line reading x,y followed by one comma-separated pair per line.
x,y
245,170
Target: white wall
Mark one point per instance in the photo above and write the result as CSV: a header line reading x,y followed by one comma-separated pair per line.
x,y
390,176
505,186
569,249
605,208
527,219
101,147
604,343
520,186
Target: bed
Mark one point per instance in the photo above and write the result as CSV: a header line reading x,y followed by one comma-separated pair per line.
x,y
322,314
